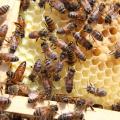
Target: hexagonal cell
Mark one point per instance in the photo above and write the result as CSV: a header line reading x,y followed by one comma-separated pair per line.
x,y
101,66
100,75
108,81
113,30
95,61
109,63
92,79
85,73
93,69
105,32
112,39
108,72
87,64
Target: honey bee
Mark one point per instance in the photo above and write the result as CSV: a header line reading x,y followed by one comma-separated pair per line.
x,y
51,26
45,113
77,51
43,33
63,55
77,115
36,70
4,9
69,80
58,42
3,32
4,102
8,57
67,28
97,13
63,98
35,96
46,82
82,41
112,13
116,107
18,75
14,42
20,30
24,4
86,5
96,34
78,15
19,89
48,52
58,68
71,57
58,5
71,5
96,91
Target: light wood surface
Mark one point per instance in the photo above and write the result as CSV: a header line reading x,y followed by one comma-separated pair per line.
x,y
19,103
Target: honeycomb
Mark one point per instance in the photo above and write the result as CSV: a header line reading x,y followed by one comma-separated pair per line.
x,y
100,68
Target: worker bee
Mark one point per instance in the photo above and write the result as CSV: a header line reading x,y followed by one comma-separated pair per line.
x,y
46,112
18,75
69,80
51,26
4,102
62,98
67,28
82,41
58,5
4,9
71,57
86,5
8,57
18,89
43,33
24,4
77,115
97,13
112,13
58,42
14,42
83,104
63,56
48,52
80,15
116,107
96,91
46,82
77,51
58,68
35,96
96,34
3,32
20,29
36,70
71,5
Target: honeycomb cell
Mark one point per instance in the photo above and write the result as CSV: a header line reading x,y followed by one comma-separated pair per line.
x,y
105,32
101,66
95,61
101,75
113,30
108,72
85,73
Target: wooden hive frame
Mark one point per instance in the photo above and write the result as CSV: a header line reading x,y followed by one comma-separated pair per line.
x,y
19,103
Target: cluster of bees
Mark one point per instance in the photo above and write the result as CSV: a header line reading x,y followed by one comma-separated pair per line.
x,y
79,12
